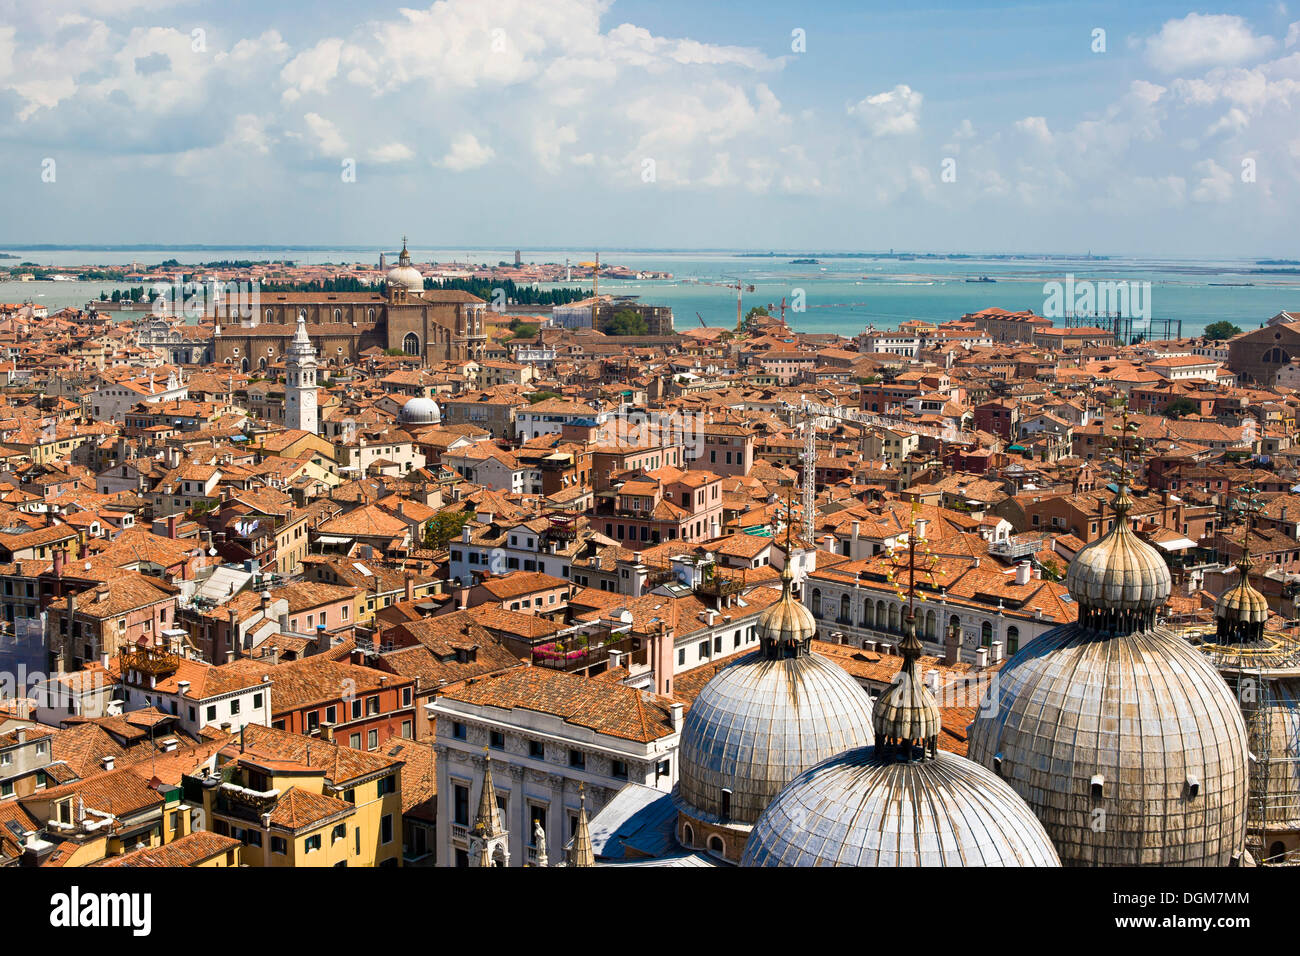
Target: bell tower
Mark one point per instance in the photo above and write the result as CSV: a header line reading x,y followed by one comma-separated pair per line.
x,y
300,410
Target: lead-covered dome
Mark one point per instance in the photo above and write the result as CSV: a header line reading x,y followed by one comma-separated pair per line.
x,y
766,718
420,411
1121,737
900,802
864,809
1119,574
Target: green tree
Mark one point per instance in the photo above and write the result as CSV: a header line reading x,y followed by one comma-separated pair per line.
x,y
1218,331
626,322
443,527
535,397
1180,407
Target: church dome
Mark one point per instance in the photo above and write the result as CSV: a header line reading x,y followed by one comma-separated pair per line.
x,y
1120,572
766,718
1121,737
900,802
865,809
420,411
404,275
1241,611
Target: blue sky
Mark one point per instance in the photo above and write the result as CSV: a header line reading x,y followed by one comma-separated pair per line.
x,y
585,123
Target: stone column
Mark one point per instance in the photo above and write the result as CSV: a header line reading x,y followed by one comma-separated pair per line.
x,y
520,832
556,824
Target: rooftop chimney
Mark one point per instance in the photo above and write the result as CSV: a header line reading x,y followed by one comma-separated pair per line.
x,y
1022,573
59,558
952,645
981,657
677,708
107,761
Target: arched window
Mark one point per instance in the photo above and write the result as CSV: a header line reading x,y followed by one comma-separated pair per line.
x,y
688,835
1013,639
411,344
338,315
868,613
881,620
243,364
894,623
261,363
931,625
1277,356
268,315
817,602
715,845
845,617
986,633
954,621
370,315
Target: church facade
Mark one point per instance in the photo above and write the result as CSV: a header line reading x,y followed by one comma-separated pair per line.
x,y
437,325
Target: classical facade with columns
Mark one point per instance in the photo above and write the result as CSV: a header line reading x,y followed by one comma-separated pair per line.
x,y
552,739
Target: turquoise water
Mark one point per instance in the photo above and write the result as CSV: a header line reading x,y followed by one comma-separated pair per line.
x,y
841,295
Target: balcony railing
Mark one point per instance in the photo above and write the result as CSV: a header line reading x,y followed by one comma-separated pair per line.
x,y
580,652
151,660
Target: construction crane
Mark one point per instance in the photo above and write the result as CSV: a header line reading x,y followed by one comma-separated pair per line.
x,y
807,416
740,288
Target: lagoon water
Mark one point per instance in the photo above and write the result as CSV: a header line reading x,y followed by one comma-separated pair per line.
x,y
839,294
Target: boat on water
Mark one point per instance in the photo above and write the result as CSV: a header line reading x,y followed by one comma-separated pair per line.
x,y
982,279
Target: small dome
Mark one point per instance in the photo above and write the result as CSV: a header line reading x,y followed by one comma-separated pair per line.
x,y
1119,576
420,411
1243,603
404,275
863,808
787,622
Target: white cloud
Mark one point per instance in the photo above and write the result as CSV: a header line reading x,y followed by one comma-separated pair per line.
x,y
391,153
1201,40
1216,183
1293,34
890,113
467,153
1036,127
312,70
328,138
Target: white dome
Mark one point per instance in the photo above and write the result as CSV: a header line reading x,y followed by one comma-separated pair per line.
x,y
420,411
863,808
758,724
404,275
407,277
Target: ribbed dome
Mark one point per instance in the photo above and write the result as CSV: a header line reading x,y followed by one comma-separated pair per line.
x,y
1119,571
420,411
1128,747
1242,603
758,724
787,620
865,809
404,275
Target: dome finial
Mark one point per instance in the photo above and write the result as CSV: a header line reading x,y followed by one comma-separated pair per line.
x,y
1119,580
1241,611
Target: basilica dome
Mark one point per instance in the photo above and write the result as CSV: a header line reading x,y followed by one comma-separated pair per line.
x,y
865,809
420,411
404,275
1121,737
900,802
766,718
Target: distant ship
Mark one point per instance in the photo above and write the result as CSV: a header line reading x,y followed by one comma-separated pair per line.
x,y
982,279
805,262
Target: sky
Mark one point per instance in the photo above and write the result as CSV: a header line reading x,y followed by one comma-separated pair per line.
x,y
1149,129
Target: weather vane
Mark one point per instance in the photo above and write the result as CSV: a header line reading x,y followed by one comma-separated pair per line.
x,y
894,559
